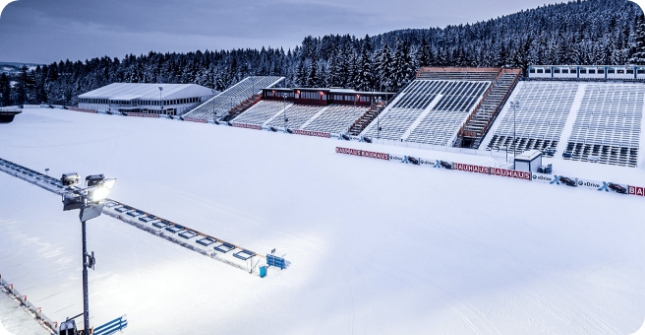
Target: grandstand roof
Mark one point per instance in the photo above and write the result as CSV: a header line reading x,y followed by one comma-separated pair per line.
x,y
133,91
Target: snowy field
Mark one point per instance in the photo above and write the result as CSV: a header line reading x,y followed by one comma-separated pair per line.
x,y
376,247
14,320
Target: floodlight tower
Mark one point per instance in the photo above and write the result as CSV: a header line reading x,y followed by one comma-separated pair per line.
x,y
160,101
90,201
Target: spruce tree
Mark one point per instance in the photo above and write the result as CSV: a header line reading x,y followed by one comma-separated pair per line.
x,y
5,90
638,57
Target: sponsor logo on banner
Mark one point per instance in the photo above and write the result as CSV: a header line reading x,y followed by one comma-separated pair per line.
x,y
356,138
511,173
562,180
471,168
614,187
376,155
247,125
348,151
191,119
544,178
592,184
443,165
343,137
396,158
427,162
412,160
635,190
312,133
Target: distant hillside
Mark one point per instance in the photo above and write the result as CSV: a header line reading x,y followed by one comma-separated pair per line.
x,y
11,68
577,32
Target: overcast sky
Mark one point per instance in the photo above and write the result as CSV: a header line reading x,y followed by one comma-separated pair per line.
x,y
42,31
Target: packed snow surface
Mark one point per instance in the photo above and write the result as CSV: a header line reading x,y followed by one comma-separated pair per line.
x,y
376,247
14,319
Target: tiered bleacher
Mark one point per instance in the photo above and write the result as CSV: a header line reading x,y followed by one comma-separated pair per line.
x,y
540,119
608,126
433,108
219,106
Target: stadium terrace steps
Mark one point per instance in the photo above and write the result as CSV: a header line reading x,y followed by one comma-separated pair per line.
x,y
475,128
366,119
243,106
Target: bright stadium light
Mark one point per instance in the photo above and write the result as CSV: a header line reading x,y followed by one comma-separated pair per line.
x,y
98,194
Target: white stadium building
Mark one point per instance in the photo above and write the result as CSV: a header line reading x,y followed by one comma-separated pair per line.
x,y
168,99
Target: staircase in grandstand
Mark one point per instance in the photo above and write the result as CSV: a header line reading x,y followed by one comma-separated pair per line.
x,y
478,123
243,106
366,119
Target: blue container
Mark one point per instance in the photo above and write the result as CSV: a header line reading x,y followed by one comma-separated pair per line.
x,y
263,271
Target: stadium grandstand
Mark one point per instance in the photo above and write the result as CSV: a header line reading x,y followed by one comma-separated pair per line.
x,y
439,107
228,104
163,99
333,111
578,117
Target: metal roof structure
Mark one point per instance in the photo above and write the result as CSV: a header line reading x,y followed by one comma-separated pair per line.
x,y
134,91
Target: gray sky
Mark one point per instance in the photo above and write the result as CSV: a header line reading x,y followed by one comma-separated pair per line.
x,y
42,31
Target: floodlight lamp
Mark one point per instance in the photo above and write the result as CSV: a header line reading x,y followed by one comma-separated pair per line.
x,y
98,194
69,179
94,180
108,183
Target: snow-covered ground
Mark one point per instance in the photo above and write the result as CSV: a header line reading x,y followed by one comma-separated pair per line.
x,y
15,320
376,247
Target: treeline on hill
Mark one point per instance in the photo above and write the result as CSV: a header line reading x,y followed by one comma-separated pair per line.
x,y
610,32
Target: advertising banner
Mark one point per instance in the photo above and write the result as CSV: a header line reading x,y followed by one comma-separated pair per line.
x,y
564,180
195,120
397,158
312,133
511,173
443,165
614,187
635,190
348,151
471,168
247,125
542,178
375,155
